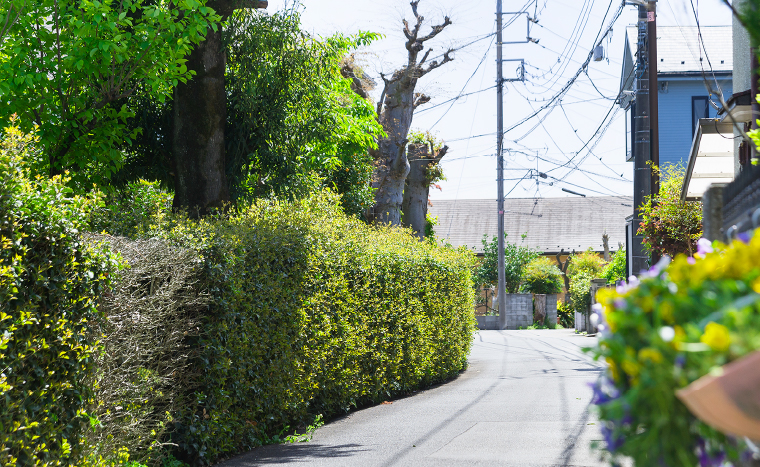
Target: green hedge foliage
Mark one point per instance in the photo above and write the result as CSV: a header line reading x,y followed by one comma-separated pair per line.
x,y
49,284
314,313
542,276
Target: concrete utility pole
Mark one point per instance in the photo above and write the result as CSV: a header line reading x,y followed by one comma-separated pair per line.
x,y
502,297
645,142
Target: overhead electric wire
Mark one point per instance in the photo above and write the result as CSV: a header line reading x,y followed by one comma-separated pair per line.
x,y
567,86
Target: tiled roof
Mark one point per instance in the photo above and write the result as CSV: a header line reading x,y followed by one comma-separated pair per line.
x,y
678,48
551,224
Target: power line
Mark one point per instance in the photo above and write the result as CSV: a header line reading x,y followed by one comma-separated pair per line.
x,y
567,86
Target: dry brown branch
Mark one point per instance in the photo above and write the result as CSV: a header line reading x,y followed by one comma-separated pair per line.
x,y
150,314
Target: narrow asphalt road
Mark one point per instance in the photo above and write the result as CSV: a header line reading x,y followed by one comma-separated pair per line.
x,y
522,402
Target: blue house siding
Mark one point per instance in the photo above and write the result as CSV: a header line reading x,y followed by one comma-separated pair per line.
x,y
675,112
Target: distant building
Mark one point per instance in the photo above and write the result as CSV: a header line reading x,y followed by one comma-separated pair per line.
x,y
551,224
682,72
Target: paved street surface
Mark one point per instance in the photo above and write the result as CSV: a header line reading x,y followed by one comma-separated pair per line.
x,y
522,402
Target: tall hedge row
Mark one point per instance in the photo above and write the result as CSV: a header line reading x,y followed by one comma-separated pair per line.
x,y
312,313
49,285
211,336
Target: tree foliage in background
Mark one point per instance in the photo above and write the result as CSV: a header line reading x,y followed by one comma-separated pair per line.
x,y
293,122
516,258
615,270
292,112
671,226
542,276
66,63
582,269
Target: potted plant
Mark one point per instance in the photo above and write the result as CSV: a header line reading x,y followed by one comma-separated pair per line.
x,y
544,280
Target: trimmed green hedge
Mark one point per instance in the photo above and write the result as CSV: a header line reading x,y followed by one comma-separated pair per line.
x,y
315,313
49,284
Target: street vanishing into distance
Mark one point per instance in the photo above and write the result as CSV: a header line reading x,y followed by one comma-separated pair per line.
x,y
523,401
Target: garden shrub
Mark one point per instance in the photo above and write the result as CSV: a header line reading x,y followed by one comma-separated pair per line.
x,y
670,225
615,271
131,210
582,269
314,313
49,285
566,315
143,372
678,324
516,258
542,276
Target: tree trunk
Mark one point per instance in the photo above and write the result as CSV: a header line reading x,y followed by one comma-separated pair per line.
x,y
395,110
200,181
540,314
417,189
200,112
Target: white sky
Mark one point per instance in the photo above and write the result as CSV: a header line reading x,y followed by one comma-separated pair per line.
x,y
470,166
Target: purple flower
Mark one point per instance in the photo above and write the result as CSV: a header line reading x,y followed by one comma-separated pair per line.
x,y
604,391
680,361
744,237
691,260
620,304
614,441
704,246
706,459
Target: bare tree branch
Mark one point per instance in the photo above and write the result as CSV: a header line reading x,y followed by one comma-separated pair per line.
x,y
436,30
420,99
435,64
425,57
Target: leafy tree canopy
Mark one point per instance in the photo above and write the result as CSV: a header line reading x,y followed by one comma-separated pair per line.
x,y
64,65
516,258
294,124
292,112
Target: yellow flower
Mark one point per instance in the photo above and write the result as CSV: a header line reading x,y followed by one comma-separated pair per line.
x,y
716,336
650,354
613,369
756,285
666,311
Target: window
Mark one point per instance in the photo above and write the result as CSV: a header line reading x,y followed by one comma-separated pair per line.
x,y
700,108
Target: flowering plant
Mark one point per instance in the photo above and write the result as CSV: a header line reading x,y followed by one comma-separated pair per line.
x,y
678,323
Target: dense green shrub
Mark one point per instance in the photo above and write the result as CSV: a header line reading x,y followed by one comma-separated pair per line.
x,y
49,284
131,210
542,276
566,314
516,258
582,269
679,323
670,225
314,313
615,271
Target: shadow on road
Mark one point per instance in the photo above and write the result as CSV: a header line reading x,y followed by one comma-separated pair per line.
x,y
288,453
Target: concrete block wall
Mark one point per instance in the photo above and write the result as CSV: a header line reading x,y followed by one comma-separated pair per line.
x,y
519,312
551,310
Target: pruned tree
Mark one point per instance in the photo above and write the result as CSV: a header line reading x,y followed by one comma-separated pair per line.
x,y
395,109
563,267
200,180
606,243
424,170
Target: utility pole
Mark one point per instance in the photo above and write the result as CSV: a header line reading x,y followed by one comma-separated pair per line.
x,y
646,141
654,95
502,297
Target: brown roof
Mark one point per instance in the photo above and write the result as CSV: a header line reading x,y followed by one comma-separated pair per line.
x,y
551,224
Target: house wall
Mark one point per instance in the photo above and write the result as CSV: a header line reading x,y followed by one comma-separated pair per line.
x,y
675,112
